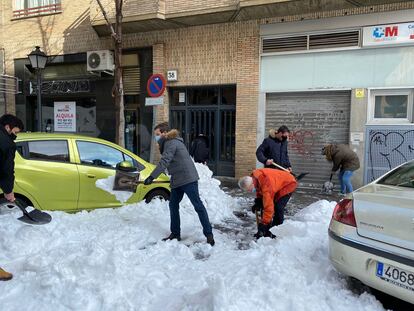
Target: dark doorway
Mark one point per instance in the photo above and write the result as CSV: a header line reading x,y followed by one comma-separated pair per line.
x,y
210,111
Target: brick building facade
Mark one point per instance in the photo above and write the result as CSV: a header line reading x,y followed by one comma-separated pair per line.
x,y
208,43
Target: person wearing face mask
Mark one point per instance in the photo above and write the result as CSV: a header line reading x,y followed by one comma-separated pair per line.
x,y
184,180
274,149
10,125
273,189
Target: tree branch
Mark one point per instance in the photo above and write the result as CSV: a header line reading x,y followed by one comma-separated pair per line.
x,y
111,28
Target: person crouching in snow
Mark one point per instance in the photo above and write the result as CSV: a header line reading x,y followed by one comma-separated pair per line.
x,y
273,189
184,180
345,160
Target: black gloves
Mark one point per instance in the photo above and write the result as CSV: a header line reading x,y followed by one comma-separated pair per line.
x,y
263,231
149,180
257,206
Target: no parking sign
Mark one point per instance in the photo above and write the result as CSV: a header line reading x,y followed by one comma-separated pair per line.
x,y
156,85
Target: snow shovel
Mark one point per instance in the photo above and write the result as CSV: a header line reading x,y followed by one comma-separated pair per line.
x,y
34,217
298,177
328,186
128,181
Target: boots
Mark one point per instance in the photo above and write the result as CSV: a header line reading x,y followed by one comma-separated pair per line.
x,y
5,276
210,239
172,236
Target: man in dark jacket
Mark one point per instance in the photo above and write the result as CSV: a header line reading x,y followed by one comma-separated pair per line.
x,y
199,149
274,149
184,180
10,125
345,160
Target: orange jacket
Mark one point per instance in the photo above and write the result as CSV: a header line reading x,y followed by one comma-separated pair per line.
x,y
271,185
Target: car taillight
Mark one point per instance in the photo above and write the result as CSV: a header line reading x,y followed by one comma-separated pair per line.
x,y
344,212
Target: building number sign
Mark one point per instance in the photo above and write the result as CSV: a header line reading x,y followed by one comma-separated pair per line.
x,y
172,75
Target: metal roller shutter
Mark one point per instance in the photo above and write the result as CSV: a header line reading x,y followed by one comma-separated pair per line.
x,y
314,119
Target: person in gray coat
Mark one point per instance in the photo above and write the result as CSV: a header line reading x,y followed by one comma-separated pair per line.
x,y
344,159
184,180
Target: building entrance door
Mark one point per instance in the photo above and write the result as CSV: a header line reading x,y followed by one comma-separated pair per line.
x,y
209,111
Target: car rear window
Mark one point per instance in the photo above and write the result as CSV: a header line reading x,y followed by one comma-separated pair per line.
x,y
402,176
48,150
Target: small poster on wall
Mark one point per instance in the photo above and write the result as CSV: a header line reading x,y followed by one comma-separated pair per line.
x,y
65,116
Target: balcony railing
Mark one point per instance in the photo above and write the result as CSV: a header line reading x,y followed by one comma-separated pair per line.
x,y
38,10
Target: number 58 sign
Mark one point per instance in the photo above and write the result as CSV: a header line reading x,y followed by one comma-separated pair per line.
x,y
172,75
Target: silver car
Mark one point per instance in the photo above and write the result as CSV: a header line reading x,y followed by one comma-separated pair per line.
x,y
371,234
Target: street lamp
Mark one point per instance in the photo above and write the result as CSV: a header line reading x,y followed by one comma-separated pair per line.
x,y
38,61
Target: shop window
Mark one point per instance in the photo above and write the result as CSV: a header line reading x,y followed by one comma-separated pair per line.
x,y
27,8
228,95
178,97
391,106
203,96
48,150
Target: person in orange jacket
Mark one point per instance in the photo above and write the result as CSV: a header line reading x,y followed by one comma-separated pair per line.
x,y
273,189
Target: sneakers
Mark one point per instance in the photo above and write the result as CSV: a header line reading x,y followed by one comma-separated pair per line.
x,y
5,276
210,239
172,236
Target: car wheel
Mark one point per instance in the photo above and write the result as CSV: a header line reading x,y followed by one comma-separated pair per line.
x,y
157,193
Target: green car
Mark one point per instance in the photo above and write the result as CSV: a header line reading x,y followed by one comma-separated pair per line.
x,y
59,171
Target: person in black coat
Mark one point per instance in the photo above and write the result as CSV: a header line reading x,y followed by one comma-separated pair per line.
x,y
275,149
10,125
199,149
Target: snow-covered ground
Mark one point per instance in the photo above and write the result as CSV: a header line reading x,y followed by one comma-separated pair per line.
x,y
113,259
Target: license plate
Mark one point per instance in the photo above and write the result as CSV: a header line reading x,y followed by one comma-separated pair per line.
x,y
395,276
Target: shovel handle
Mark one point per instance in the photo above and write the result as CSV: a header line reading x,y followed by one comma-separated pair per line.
x,y
281,167
330,178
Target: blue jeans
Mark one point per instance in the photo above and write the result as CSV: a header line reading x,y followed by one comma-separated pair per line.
x,y
345,180
191,190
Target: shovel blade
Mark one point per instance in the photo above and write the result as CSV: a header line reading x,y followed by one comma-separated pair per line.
x,y
36,217
301,175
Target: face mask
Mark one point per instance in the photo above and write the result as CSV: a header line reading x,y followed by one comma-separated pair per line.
x,y
13,136
157,138
284,138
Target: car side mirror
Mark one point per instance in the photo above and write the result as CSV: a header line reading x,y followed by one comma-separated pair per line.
x,y
126,166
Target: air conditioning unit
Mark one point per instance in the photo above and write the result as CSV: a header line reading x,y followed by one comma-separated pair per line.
x,y
100,61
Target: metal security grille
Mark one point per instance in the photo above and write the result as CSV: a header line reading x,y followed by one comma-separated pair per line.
x,y
210,111
314,119
131,80
285,44
334,40
387,147
311,42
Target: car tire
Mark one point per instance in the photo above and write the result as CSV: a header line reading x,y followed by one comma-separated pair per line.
x,y
157,193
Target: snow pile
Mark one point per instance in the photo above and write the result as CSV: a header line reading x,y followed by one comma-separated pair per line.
x,y
113,259
219,205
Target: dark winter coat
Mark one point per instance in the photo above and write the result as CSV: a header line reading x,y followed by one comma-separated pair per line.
x,y
176,159
199,149
273,148
342,156
7,153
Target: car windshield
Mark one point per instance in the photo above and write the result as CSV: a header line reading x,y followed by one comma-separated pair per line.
x,y
402,176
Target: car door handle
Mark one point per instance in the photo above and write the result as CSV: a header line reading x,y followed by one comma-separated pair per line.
x,y
90,175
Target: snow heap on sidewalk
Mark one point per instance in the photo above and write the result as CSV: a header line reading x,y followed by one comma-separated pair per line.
x,y
113,259
219,205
